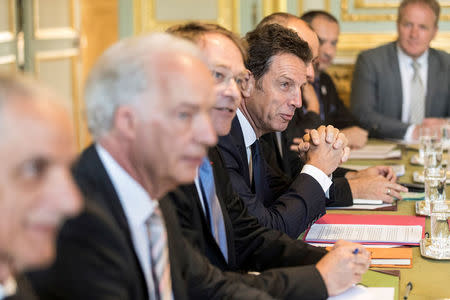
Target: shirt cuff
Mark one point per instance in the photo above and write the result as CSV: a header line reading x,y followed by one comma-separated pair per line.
x,y
322,178
409,133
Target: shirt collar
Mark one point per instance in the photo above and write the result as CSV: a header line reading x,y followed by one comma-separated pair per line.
x,y
247,130
136,202
8,288
406,59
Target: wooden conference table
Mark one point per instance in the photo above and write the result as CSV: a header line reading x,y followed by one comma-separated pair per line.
x,y
430,278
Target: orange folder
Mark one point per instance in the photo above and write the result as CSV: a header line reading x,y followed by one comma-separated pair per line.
x,y
397,257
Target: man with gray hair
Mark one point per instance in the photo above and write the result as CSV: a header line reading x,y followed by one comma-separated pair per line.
x,y
37,191
148,101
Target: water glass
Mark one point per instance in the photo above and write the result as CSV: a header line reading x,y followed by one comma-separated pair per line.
x,y
427,136
445,135
433,154
440,231
435,182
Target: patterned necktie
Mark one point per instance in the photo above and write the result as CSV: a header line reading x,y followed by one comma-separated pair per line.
x,y
417,96
159,253
213,210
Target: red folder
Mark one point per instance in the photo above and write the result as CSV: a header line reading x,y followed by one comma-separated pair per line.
x,y
372,220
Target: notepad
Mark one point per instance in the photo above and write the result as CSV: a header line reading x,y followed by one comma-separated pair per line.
x,y
367,229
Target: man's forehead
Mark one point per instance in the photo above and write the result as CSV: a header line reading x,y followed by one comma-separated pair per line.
x,y
286,64
220,51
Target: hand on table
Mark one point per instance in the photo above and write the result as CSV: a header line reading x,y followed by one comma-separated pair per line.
x,y
341,268
385,171
375,187
357,137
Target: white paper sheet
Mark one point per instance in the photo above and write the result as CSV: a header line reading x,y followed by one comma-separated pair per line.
x,y
365,233
362,293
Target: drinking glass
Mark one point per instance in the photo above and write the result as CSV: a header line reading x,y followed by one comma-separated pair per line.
x,y
427,136
440,231
435,182
433,154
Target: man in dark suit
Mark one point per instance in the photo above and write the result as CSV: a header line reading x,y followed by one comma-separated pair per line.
x,y
404,85
373,183
37,192
148,101
277,58
243,244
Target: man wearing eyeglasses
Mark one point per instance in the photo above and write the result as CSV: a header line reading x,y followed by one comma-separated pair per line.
x,y
217,222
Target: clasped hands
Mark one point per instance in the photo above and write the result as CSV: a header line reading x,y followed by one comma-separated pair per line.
x,y
324,147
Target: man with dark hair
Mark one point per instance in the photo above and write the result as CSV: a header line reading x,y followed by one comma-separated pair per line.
x,y
394,89
277,59
220,226
371,183
332,109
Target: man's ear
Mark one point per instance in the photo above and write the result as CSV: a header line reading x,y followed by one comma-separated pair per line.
x,y
125,122
248,86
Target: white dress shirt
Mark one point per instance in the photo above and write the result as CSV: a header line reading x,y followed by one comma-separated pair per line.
x,y
407,73
8,288
250,137
138,207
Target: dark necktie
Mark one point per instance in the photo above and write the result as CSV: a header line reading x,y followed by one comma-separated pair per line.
x,y
211,203
319,97
257,165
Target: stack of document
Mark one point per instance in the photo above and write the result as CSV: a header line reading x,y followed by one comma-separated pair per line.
x,y
367,204
367,229
399,170
399,257
385,151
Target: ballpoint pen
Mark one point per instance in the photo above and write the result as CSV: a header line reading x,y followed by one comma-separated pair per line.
x,y
408,289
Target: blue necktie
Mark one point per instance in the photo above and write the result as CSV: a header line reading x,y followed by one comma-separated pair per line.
x,y
212,206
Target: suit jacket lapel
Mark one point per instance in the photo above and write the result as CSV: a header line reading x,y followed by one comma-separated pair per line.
x,y
237,139
432,85
393,63
92,168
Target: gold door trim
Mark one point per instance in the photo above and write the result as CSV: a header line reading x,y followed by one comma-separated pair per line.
x,y
351,17
9,35
387,4
352,43
56,32
8,59
73,54
145,19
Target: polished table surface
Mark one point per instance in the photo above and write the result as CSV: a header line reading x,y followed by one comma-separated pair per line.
x,y
430,278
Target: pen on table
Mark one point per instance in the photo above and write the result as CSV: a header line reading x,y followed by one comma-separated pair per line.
x,y
407,290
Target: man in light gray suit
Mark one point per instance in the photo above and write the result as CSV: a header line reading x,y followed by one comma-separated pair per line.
x,y
404,85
